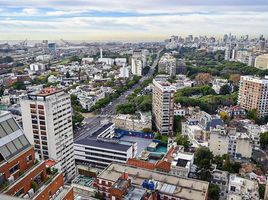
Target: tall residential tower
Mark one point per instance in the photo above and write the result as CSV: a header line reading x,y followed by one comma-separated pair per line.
x,y
47,122
163,106
253,94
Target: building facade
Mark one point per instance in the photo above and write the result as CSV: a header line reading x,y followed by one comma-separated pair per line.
x,y
47,122
253,94
97,148
163,106
167,64
168,186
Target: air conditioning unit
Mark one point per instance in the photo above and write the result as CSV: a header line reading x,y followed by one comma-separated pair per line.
x,y
31,192
10,179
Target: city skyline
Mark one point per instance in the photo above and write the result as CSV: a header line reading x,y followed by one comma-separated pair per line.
x,y
132,21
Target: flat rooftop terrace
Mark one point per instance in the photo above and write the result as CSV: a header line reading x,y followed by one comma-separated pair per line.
x,y
141,142
178,187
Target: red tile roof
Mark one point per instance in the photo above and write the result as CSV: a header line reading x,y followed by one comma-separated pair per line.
x,y
140,163
169,154
160,165
163,165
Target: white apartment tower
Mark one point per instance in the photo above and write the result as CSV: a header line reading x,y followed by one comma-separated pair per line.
x,y
163,106
136,66
47,122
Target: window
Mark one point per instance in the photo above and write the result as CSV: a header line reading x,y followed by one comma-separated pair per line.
x,y
40,107
14,169
41,112
6,127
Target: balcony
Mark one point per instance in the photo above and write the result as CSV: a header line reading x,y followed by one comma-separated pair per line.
x,y
7,185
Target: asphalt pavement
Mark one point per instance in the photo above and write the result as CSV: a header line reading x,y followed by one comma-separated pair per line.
x,y
110,109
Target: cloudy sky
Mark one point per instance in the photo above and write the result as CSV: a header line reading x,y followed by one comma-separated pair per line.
x,y
130,19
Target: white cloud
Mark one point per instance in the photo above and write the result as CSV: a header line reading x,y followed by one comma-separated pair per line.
x,y
30,11
151,18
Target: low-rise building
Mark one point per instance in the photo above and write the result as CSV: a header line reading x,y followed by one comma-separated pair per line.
x,y
97,148
133,123
181,164
124,72
218,142
236,144
86,61
240,145
162,185
241,188
37,67
221,178
233,111
218,83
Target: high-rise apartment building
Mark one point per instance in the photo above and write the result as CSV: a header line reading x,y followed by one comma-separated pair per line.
x,y
167,64
253,94
163,106
136,66
47,122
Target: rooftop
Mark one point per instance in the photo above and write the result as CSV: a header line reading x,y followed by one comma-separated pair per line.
x,y
176,186
135,193
121,184
83,180
12,138
48,91
93,138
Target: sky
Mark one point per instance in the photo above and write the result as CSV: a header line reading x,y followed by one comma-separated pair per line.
x,y
130,20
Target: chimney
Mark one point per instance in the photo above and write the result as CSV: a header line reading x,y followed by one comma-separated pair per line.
x,y
125,175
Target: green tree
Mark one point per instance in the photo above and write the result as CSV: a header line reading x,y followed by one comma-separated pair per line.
x,y
203,159
34,185
252,114
2,90
213,192
218,160
225,89
19,85
6,59
261,191
183,141
127,108
162,138
77,118
264,140
177,124
230,167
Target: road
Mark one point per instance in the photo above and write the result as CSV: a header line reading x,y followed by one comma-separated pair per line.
x,y
106,113
90,123
110,109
